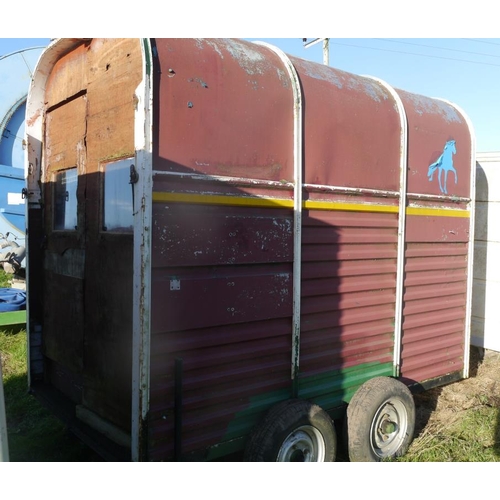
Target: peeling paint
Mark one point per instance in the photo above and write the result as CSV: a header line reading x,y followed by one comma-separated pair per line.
x,y
340,80
425,105
249,59
201,41
283,78
374,90
321,72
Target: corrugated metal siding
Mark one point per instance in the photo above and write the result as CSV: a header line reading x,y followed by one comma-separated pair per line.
x,y
228,321
348,298
434,309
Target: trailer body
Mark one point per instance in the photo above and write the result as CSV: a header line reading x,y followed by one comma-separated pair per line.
x,y
216,227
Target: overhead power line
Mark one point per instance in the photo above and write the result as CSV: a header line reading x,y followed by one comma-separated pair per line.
x,y
332,40
439,48
481,41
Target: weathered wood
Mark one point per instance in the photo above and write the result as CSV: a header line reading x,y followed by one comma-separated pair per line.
x,y
88,337
68,78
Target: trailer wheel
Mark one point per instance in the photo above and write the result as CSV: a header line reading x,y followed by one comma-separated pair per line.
x,y
380,420
293,431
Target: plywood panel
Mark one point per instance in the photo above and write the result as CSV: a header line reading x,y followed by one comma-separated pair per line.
x,y
68,78
65,135
115,71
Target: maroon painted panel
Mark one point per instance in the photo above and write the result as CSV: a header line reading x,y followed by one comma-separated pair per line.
x,y
203,235
224,107
328,353
231,296
351,129
445,358
432,123
423,229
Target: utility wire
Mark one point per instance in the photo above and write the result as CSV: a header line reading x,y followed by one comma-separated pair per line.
x,y
481,41
413,53
439,48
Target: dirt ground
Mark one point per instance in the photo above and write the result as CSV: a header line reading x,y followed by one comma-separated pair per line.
x,y
441,406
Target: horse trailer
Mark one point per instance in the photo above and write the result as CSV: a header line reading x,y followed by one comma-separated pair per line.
x,y
238,254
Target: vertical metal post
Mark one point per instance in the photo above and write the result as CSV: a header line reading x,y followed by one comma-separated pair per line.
x,y
326,47
326,51
298,167
4,444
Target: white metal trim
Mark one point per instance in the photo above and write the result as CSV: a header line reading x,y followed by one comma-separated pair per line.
x,y
398,313
297,207
141,336
227,180
437,198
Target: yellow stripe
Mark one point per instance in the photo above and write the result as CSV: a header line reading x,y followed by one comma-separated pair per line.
x,y
221,200
438,212
244,201
356,207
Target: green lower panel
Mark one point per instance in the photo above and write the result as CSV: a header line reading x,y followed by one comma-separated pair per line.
x,y
331,391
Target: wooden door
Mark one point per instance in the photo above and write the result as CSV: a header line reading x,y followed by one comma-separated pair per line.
x,y
88,272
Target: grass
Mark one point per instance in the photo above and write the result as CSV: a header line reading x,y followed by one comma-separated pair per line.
x,y
473,436
5,279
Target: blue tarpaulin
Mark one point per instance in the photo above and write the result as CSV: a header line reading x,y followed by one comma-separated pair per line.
x,y
12,299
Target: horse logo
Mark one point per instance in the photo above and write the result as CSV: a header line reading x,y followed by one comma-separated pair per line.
x,y
444,164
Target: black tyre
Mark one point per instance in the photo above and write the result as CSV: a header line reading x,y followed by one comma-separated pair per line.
x,y
293,431
380,420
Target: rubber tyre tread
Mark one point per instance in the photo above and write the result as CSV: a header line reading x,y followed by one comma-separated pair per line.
x,y
362,410
267,438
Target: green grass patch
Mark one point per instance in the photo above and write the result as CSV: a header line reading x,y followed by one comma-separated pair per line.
x,y
473,435
5,279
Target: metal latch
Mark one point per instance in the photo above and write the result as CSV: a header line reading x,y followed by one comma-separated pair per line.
x,y
134,176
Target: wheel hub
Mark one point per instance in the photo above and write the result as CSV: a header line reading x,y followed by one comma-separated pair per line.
x,y
305,444
389,428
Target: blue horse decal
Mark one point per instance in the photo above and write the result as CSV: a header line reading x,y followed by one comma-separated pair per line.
x,y
444,164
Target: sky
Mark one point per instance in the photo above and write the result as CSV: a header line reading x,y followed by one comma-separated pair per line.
x,y
463,70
